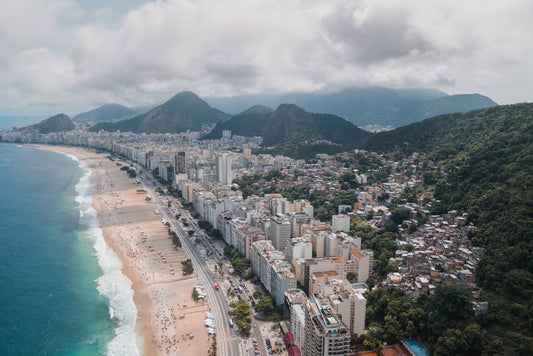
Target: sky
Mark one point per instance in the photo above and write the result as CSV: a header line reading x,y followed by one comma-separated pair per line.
x,y
72,56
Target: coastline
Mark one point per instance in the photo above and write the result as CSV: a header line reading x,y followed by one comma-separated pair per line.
x,y
161,293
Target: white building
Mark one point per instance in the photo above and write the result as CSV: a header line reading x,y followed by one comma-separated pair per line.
x,y
340,222
298,248
223,169
325,333
279,232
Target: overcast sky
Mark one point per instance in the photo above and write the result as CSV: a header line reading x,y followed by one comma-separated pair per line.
x,y
71,56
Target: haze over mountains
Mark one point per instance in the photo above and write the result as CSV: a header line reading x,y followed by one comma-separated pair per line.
x,y
107,112
362,106
366,106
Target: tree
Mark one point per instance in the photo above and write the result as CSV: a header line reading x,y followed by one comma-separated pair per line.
x,y
190,232
187,267
195,295
257,294
244,325
407,247
266,305
400,214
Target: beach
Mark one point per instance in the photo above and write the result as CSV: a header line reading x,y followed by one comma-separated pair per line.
x,y
168,321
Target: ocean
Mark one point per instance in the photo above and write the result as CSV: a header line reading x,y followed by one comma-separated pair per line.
x,y
62,292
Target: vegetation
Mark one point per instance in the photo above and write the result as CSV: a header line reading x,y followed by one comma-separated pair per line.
x,y
175,239
257,295
131,172
328,206
213,347
195,296
488,173
239,262
107,112
187,267
266,305
381,242
294,132
242,313
247,124
185,111
57,123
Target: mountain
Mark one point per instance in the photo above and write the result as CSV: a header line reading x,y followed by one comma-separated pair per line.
x,y
487,173
257,109
108,112
292,131
57,123
367,106
250,122
185,111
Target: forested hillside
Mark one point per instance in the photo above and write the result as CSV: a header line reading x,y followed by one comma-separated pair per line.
x,y
488,173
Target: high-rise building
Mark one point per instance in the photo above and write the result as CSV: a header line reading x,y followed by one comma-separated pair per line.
x,y
223,168
279,232
349,303
180,163
325,333
363,263
340,222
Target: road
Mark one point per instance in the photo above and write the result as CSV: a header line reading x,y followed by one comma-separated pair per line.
x,y
255,333
227,343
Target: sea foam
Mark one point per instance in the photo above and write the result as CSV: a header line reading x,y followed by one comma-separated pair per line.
x,y
115,286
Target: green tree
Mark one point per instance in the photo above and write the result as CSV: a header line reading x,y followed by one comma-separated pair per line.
x,y
266,305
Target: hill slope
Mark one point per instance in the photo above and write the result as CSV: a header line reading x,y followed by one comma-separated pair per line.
x,y
185,111
250,122
367,106
108,112
292,131
57,123
489,161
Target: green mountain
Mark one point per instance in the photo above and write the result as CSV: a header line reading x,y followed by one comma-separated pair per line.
x,y
368,105
57,123
250,122
257,109
488,173
185,111
292,131
108,112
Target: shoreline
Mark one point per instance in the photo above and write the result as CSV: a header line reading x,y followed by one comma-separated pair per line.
x,y
161,293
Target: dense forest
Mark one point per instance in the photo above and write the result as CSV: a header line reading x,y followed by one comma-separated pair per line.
x,y
488,157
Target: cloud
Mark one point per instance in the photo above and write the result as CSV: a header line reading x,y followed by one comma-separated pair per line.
x,y
219,48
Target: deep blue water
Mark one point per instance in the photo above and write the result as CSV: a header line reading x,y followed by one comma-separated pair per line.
x,y
52,300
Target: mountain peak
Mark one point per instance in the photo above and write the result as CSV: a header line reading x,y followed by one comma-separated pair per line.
x,y
257,109
106,112
57,123
184,111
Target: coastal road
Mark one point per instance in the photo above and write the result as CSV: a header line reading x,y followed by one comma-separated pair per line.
x,y
256,331
227,343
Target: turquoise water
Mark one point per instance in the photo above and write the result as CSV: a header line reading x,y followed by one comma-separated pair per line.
x,y
62,290
416,348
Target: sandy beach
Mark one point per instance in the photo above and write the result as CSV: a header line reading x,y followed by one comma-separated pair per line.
x,y
169,322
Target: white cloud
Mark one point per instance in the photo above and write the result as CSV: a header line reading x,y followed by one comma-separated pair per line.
x,y
244,46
